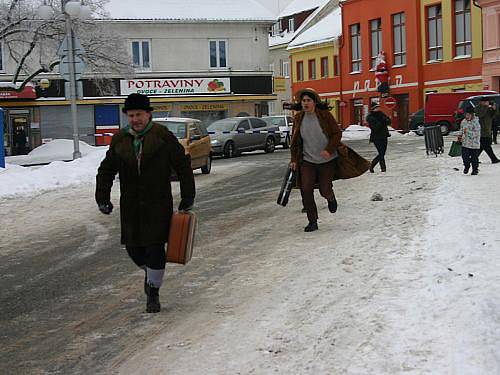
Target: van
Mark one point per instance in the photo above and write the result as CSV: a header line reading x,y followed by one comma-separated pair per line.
x,y
440,108
473,101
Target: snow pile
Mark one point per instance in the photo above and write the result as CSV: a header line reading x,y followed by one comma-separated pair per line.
x,y
17,180
56,150
354,132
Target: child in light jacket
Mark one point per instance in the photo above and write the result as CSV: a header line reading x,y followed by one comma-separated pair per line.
x,y
470,135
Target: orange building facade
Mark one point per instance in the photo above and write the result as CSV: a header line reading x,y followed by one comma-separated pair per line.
x,y
491,44
429,46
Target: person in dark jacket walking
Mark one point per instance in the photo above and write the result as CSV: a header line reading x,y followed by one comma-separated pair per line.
x,y
485,112
378,122
20,141
145,154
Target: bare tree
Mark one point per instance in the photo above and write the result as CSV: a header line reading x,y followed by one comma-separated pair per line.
x,y
32,42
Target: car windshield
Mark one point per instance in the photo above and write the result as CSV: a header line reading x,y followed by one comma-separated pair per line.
x,y
274,120
222,125
178,128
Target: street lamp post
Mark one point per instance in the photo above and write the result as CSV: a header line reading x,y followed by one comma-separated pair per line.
x,y
71,9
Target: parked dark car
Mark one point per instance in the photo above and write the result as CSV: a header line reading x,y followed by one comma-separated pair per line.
x,y
472,101
417,122
234,135
284,124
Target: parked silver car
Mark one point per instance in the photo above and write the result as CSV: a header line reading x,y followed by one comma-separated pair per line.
x,y
234,135
284,124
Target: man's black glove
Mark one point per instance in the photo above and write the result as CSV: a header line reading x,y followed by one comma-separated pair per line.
x,y
105,207
186,204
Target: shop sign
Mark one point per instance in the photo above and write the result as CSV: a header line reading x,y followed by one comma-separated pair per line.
x,y
175,86
6,92
279,84
208,107
162,107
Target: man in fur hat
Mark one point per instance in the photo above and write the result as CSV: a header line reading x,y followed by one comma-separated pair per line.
x,y
145,154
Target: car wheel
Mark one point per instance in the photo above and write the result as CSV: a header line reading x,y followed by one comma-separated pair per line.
x,y
445,127
419,129
287,142
229,150
270,145
207,167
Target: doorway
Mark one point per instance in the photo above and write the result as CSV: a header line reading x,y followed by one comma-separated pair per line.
x,y
18,137
402,111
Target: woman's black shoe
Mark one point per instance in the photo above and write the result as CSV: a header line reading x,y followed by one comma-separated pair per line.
x,y
311,227
332,205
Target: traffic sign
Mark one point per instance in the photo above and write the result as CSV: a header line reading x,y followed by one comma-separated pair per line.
x,y
64,68
63,49
390,102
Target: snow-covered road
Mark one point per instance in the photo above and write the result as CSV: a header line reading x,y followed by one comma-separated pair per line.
x,y
408,285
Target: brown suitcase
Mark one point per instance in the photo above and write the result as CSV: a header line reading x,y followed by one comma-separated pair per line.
x,y
181,237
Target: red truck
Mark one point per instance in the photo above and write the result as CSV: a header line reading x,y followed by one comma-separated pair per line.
x,y
440,108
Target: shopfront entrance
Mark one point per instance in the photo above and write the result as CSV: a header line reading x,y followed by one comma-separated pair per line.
x,y
18,132
401,111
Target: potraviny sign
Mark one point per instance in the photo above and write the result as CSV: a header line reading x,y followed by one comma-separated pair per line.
x,y
175,86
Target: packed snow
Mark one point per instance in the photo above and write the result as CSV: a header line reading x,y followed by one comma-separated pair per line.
x,y
215,10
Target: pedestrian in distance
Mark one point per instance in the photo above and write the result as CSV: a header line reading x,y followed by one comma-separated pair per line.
x,y
314,145
470,137
145,155
496,122
486,112
378,123
20,141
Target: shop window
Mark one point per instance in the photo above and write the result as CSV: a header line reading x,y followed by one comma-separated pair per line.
x,y
141,54
434,33
324,67
357,111
218,53
300,70
376,40
399,35
463,33
356,54
312,69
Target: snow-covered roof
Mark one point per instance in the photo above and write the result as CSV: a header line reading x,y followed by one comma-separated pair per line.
x,y
283,38
189,10
326,30
299,6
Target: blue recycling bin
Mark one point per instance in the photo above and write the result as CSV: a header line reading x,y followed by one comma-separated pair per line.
x,y
2,134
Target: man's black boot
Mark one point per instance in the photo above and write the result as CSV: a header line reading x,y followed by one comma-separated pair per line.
x,y
383,168
153,304
311,227
332,205
372,166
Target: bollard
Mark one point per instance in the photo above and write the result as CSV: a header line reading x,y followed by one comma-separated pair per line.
x,y
2,149
434,143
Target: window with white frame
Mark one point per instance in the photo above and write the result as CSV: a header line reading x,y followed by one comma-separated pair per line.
x,y
463,33
285,69
276,28
355,47
434,33
399,38
218,53
376,40
271,68
141,54
291,25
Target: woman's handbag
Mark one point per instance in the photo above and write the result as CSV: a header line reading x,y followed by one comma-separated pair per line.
x,y
455,149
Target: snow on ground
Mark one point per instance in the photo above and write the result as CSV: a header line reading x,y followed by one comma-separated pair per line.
x,y
408,285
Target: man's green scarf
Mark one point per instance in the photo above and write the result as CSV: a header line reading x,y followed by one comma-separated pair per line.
x,y
139,137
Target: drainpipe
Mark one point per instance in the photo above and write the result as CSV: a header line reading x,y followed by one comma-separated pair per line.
x,y
482,35
340,47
